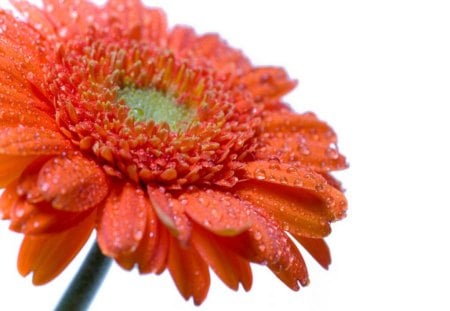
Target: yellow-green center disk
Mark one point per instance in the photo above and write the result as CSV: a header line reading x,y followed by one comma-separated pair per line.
x,y
150,104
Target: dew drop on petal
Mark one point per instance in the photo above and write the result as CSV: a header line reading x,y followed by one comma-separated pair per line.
x,y
319,187
260,174
138,234
332,153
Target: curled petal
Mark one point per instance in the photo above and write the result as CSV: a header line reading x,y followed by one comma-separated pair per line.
x,y
41,218
266,82
48,254
295,213
28,141
153,254
72,183
122,220
189,271
230,268
318,248
300,179
265,242
171,212
216,211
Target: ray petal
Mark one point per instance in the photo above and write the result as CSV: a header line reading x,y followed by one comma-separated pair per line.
x,y
293,212
46,256
72,183
300,179
318,248
122,220
216,211
229,267
189,272
29,141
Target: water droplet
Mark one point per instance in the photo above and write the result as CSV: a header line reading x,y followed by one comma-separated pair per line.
x,y
258,235
319,187
19,212
260,174
44,187
292,169
283,180
138,234
63,32
332,152
304,150
298,182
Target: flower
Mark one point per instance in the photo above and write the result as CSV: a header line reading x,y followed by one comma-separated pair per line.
x,y
172,146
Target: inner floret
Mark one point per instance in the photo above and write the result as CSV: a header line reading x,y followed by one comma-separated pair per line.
x,y
153,105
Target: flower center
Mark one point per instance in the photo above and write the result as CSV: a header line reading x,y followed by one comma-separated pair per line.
x,y
150,116
153,105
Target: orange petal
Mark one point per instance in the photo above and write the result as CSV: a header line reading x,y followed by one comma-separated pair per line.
x,y
8,199
300,138
27,141
300,179
189,271
11,167
216,211
318,248
208,49
171,212
307,124
147,245
231,269
267,82
72,183
291,148
35,16
294,213
61,16
181,38
26,116
48,255
122,220
41,218
141,23
22,46
154,253
266,243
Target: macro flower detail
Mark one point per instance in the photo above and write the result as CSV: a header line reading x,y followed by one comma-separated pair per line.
x,y
171,146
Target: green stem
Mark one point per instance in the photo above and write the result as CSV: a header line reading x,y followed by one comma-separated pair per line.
x,y
84,286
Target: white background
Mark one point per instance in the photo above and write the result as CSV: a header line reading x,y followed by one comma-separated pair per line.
x,y
379,73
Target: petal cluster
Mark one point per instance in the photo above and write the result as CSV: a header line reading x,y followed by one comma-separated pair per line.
x,y
236,182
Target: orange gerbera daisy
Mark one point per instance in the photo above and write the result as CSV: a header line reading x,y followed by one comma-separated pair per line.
x,y
172,146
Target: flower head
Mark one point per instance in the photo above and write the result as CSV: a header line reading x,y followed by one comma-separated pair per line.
x,y
172,146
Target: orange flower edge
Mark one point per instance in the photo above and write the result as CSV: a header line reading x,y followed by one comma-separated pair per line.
x,y
172,146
